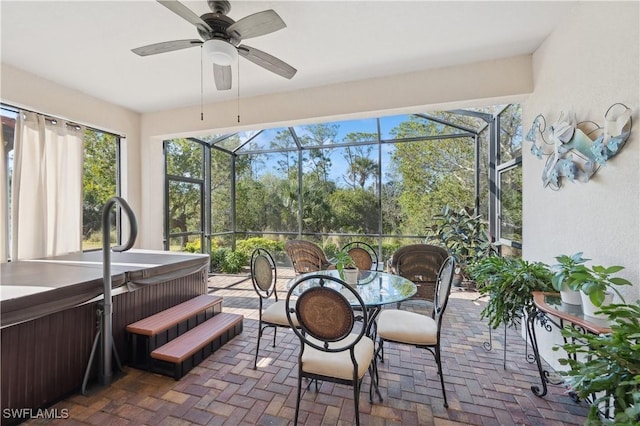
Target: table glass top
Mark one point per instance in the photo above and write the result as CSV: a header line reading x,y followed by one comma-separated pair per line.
x,y
375,288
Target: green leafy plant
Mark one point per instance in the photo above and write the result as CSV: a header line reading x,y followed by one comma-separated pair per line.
x,y
509,283
594,281
342,260
464,234
564,268
228,261
605,368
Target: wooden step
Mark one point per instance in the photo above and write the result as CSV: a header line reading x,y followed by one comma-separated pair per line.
x,y
152,332
183,353
173,316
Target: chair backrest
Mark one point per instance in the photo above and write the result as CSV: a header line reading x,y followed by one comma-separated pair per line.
x,y
306,256
264,273
327,309
443,289
364,256
419,263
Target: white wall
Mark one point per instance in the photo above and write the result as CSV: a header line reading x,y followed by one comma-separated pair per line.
x,y
586,65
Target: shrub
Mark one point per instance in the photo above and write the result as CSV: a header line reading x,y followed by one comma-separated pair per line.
x,y
226,261
246,247
193,246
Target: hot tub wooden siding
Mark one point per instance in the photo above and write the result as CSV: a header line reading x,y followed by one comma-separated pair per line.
x,y
44,359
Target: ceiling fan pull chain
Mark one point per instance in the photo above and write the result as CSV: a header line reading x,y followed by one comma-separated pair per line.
x,y
238,91
201,87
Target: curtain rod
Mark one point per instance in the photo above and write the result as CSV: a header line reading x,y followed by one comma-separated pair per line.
x,y
13,108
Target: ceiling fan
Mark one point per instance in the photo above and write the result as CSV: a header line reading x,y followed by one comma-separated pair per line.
x,y
221,38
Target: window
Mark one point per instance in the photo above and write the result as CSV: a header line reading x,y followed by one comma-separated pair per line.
x,y
100,181
509,170
99,184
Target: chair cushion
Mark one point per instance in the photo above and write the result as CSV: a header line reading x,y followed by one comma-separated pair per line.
x,y
407,327
338,364
276,314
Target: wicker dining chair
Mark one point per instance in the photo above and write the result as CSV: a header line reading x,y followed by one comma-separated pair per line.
x,y
306,256
421,331
264,276
363,255
420,264
330,349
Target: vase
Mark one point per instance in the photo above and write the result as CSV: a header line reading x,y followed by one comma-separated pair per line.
x,y
570,297
351,276
589,309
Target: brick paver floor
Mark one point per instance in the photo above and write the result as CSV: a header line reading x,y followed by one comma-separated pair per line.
x,y
225,390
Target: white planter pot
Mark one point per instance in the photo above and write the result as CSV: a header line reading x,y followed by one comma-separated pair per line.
x,y
570,297
351,276
590,309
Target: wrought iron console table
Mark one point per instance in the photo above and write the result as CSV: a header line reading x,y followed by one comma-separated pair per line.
x,y
548,306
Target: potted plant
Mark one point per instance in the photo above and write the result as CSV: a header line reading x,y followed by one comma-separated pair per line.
x,y
509,283
561,271
596,284
464,235
604,369
346,267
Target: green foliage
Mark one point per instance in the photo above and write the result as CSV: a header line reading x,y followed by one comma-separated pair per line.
x,y
566,266
99,180
607,365
509,282
193,246
228,261
354,210
342,260
465,236
247,246
593,281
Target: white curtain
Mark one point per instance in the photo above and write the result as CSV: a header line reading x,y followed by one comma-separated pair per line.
x,y
46,213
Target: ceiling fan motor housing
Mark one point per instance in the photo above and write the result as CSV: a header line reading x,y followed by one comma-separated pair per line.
x,y
219,24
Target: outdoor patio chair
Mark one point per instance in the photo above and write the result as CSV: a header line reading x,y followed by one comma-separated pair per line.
x,y
419,263
264,276
306,256
421,331
330,349
363,255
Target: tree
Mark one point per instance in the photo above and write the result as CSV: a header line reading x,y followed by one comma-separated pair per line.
x,y
99,179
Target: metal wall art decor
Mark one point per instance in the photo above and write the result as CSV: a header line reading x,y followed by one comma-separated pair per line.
x,y
576,150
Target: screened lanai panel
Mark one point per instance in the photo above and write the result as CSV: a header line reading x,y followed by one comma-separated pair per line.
x,y
510,219
185,158
336,200
233,142
270,139
220,191
338,132
510,133
412,126
428,175
185,211
266,193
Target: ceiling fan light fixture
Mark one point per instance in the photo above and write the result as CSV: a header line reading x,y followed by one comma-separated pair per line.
x,y
220,52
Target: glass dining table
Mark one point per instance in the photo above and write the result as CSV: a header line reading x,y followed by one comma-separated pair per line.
x,y
374,287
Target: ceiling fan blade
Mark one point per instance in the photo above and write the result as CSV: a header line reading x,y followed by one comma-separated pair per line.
x,y
222,76
255,25
185,13
165,46
267,61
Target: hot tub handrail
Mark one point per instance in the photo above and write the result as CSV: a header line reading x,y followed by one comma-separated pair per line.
x,y
105,370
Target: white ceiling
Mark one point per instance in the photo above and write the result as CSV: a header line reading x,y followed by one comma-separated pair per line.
x,y
86,45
